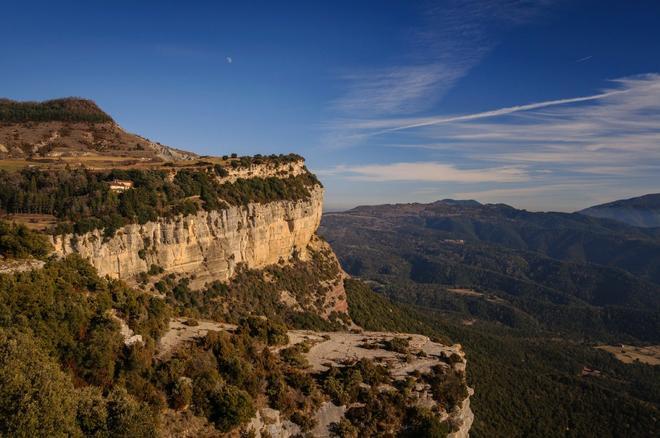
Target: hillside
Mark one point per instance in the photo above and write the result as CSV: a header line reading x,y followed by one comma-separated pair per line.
x,y
530,296
70,130
642,211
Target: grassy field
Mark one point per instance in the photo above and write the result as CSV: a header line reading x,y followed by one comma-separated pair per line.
x,y
631,354
35,222
14,165
106,162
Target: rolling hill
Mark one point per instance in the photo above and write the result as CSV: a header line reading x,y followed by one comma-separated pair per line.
x,y
72,127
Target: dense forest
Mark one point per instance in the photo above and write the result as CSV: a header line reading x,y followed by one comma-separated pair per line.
x,y
526,384
81,199
66,371
412,259
70,109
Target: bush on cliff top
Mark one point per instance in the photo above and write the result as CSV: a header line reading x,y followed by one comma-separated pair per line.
x,y
17,241
82,200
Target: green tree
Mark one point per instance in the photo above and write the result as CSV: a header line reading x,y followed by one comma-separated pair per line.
x,y
36,397
231,407
129,418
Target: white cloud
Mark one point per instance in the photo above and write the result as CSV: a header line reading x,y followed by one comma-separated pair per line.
x,y
428,172
229,59
393,90
453,38
619,126
559,154
419,123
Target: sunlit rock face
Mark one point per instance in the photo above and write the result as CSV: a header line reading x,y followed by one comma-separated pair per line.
x,y
207,245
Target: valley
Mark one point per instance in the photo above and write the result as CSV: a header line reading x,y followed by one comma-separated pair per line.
x,y
528,303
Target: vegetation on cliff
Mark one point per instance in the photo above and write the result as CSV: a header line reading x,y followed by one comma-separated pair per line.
x,y
65,369
258,159
82,199
251,291
17,241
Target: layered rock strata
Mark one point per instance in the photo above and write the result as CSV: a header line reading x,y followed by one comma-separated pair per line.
x,y
206,245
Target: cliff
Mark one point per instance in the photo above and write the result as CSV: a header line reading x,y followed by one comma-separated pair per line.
x,y
223,273
209,244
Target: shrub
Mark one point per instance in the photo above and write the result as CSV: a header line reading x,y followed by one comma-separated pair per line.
x,y
128,417
268,331
423,422
230,407
398,345
155,270
19,242
182,393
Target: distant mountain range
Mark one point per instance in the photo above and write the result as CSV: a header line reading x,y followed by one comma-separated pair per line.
x,y
642,211
529,295
561,271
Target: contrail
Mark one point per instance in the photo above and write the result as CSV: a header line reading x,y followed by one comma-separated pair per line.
x,y
586,58
500,112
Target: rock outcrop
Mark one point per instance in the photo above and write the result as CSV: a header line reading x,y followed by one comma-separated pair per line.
x,y
266,170
338,348
207,245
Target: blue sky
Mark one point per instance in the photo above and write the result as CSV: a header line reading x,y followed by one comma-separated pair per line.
x,y
544,105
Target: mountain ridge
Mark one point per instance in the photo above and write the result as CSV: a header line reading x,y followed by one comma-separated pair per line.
x,y
641,211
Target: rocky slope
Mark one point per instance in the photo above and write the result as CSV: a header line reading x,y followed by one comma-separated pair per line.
x,y
325,350
72,128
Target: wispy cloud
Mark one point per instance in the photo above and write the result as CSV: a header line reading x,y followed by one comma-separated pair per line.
x,y
427,172
619,126
580,150
571,147
395,90
454,37
418,123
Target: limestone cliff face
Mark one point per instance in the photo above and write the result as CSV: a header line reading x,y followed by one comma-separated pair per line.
x,y
266,170
208,245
